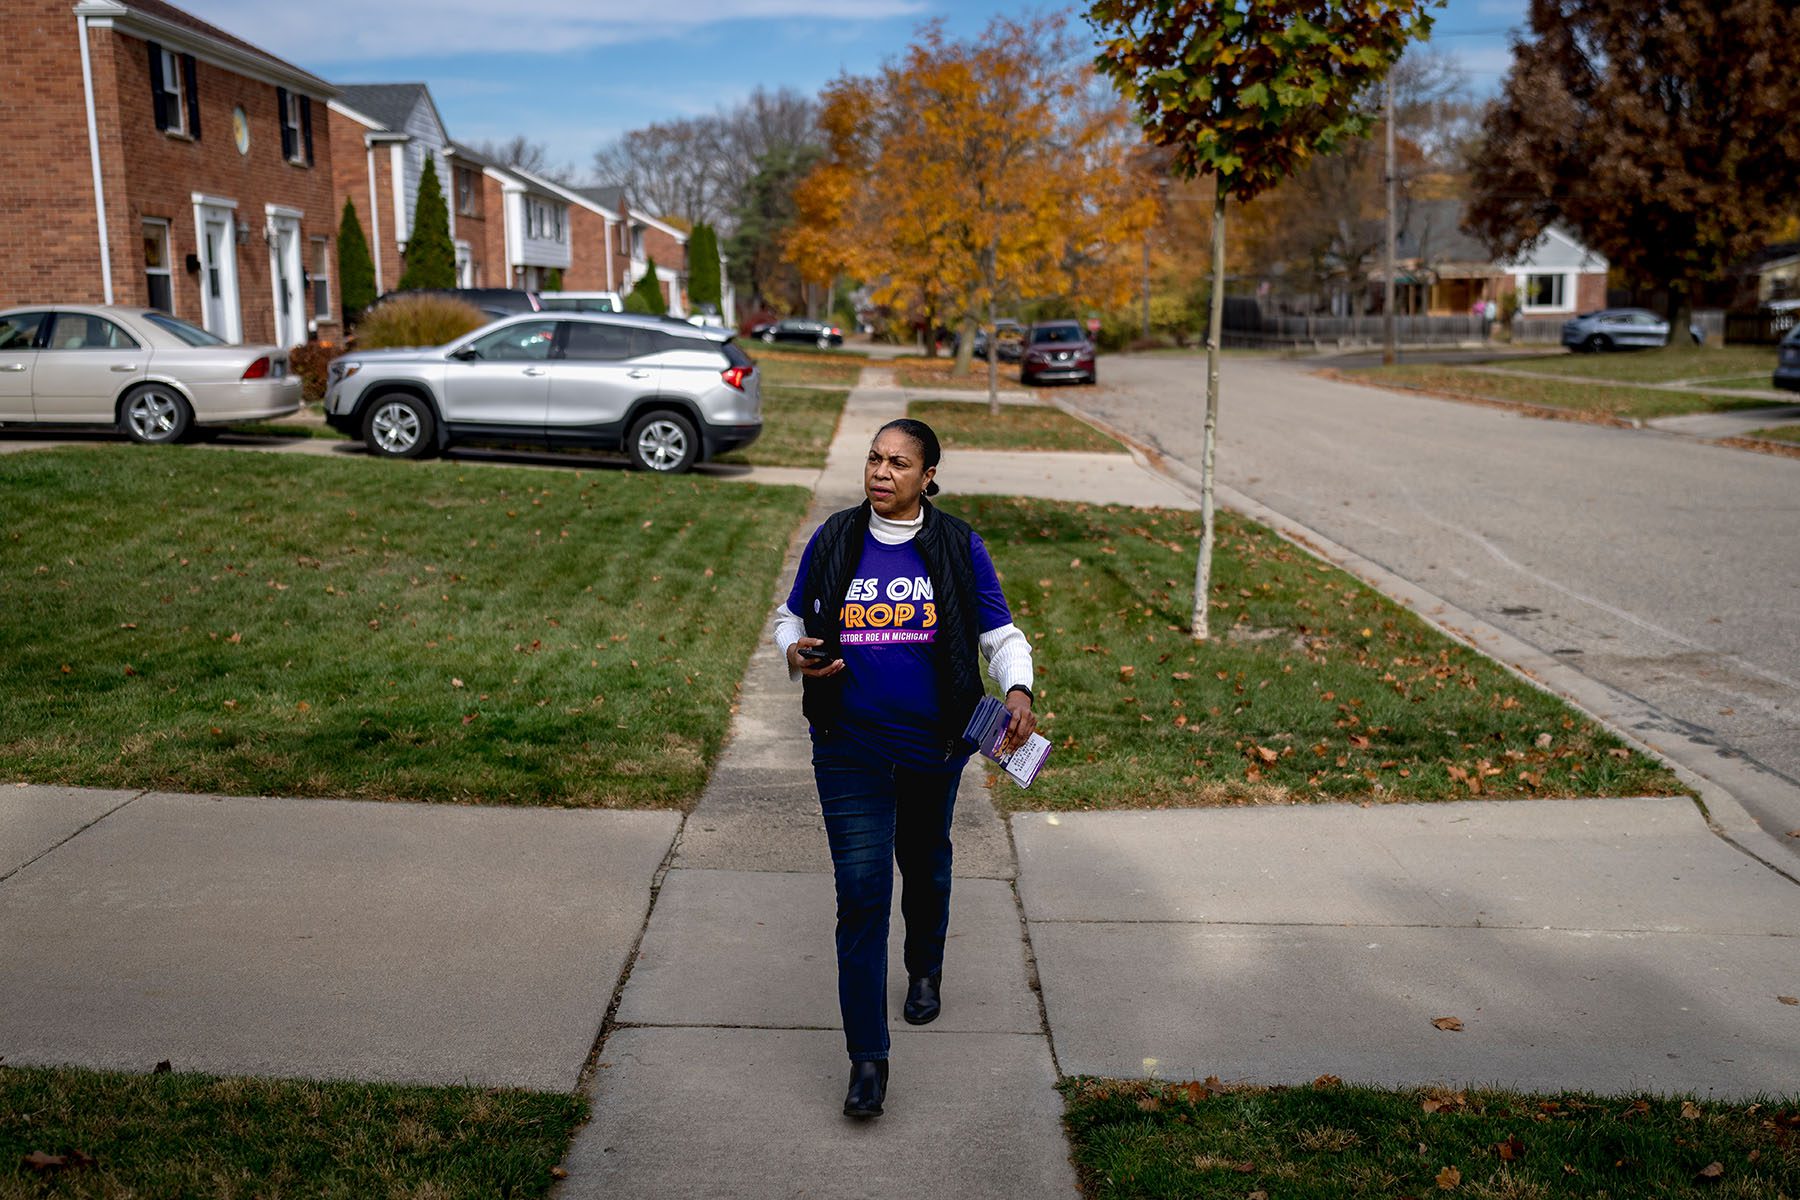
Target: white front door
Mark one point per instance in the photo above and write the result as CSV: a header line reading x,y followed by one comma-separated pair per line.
x,y
219,310
285,271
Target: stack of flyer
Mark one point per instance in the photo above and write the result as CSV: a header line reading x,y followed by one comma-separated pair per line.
x,y
987,729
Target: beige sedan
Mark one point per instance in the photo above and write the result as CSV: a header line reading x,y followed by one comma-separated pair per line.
x,y
149,375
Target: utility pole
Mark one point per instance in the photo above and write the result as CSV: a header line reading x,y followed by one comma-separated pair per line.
x,y
1388,354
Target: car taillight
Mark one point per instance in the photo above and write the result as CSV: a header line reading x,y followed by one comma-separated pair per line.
x,y
258,369
836,332
735,376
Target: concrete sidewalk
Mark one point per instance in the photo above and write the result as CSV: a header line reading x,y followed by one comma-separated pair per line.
x,y
724,1073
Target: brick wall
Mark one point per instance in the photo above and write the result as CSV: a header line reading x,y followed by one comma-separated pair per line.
x,y
492,249
162,172
472,227
49,239
1590,291
587,251
49,247
670,255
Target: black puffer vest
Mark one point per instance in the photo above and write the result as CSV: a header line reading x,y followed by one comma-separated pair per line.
x,y
943,543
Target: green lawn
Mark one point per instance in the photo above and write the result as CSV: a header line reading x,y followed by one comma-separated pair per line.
x,y
785,367
1314,687
116,1135
1780,433
251,624
967,425
798,424
1759,382
1153,1141
1599,399
1654,366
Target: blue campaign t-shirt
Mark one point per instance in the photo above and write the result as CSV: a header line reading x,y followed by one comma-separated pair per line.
x,y
888,630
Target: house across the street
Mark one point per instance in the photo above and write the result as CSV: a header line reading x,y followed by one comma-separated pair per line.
x,y
158,160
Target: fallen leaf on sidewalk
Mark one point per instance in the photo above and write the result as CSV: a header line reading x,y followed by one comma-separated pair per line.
x,y
1789,999
558,1172
1327,1081
1448,1024
1448,1179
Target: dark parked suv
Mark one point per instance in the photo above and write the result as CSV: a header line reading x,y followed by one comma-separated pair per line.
x,y
667,393
494,302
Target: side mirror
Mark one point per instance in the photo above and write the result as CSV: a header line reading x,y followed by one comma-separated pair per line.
x,y
466,354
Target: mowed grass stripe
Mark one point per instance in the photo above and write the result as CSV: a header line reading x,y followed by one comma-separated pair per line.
x,y
196,1135
1136,1140
249,624
1314,687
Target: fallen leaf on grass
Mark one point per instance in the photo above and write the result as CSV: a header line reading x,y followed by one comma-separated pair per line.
x,y
1439,1100
1710,1172
1126,673
1638,1108
1448,1179
162,1068
1448,1024
469,718
1690,1111
1326,1081
44,1164
1511,1150
1617,753
1262,754
456,683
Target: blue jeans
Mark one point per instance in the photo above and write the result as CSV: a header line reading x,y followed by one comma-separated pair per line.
x,y
876,814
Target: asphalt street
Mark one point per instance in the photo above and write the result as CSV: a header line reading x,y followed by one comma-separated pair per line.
x,y
1662,567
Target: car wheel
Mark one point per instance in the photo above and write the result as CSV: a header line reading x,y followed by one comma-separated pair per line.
x,y
1092,378
399,426
664,442
155,414
1598,342
824,342
768,336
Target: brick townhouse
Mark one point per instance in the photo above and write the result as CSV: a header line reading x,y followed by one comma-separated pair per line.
x,y
156,159
633,239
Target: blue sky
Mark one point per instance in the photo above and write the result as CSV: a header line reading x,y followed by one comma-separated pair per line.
x,y
573,74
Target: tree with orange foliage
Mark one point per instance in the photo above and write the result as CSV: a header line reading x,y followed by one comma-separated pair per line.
x,y
964,175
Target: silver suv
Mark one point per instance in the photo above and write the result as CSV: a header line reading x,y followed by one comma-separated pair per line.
x,y
667,393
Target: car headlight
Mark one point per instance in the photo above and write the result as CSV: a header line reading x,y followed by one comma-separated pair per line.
x,y
342,370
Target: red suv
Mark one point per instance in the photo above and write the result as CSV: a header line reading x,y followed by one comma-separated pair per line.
x,y
1057,350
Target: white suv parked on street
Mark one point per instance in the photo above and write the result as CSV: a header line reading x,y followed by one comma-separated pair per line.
x,y
667,393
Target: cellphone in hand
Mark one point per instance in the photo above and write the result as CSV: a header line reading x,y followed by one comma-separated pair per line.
x,y
817,654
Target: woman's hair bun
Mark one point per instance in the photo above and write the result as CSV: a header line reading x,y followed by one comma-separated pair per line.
x,y
931,489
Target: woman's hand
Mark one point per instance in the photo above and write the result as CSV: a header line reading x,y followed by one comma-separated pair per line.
x,y
1022,725
807,666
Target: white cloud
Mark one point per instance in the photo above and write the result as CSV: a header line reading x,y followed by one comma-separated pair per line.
x,y
340,31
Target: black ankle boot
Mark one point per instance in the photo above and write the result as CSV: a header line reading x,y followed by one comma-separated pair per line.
x,y
922,999
868,1087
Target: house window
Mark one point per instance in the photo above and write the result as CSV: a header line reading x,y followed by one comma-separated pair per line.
x,y
174,92
295,112
159,284
1544,291
465,192
321,278
637,241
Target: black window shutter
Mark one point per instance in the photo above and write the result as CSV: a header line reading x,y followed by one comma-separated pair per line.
x,y
158,97
287,135
193,96
306,126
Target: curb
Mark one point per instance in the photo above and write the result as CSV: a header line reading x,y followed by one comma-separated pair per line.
x,y
1622,714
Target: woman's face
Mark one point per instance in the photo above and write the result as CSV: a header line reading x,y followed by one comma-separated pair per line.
x,y
895,476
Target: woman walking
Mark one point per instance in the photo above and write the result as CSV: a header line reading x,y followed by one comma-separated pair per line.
x,y
894,605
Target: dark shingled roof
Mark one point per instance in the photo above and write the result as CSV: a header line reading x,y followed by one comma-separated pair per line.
x,y
160,11
1433,228
612,198
389,103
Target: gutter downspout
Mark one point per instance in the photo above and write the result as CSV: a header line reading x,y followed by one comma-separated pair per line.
x,y
93,125
374,215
